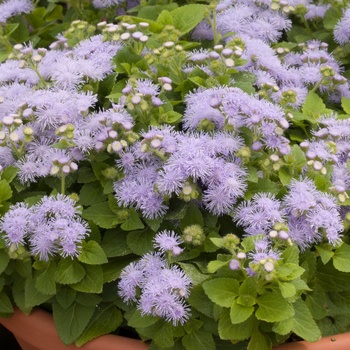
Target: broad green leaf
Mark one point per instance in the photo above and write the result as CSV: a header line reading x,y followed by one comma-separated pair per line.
x,y
331,280
92,254
112,270
133,222
239,313
331,17
5,303
69,271
45,281
91,193
285,176
259,341
106,319
325,251
23,268
32,296
193,217
164,336
222,291
152,12
273,308
248,289
200,301
114,243
288,272
304,324
102,215
4,260
165,18
9,173
341,258
314,105
345,103
317,303
283,327
140,242
92,282
71,322
65,296
196,276
287,289
263,185
291,255
5,191
185,18
215,265
137,320
199,340
234,332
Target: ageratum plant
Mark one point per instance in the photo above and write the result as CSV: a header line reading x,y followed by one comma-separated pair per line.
x,y
177,171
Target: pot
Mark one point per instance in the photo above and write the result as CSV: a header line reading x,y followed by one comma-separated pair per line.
x,y
37,332
334,342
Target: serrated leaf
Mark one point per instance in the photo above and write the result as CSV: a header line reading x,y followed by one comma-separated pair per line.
x,y
185,18
5,191
106,319
283,327
71,322
32,296
273,308
101,215
92,281
133,222
341,259
222,291
199,340
288,272
287,289
69,271
304,324
114,243
92,254
239,313
314,105
229,331
259,341
45,281
137,320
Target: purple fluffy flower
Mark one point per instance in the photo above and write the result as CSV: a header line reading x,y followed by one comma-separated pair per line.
x,y
168,241
11,8
342,28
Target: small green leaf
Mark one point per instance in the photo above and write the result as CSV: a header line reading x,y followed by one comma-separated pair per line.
x,y
133,222
165,18
234,332
32,296
45,281
140,321
92,282
222,291
106,319
71,322
164,336
288,272
102,215
92,254
345,103
273,308
341,259
193,217
314,105
4,260
287,289
304,324
259,341
5,191
239,313
5,304
199,340
325,251
215,265
283,327
69,271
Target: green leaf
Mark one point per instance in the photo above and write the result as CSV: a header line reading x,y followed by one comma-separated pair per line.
x,y
194,273
4,260
106,319
234,332
314,105
165,18
102,215
287,289
259,341
114,243
317,303
9,173
345,103
263,185
5,191
283,327
65,296
133,222
329,279
137,320
185,18
193,216
341,259
285,176
288,272
45,281
92,282
140,242
273,308
291,255
32,296
200,301
164,336
199,340
222,291
69,271
152,12
239,313
92,254
91,193
304,324
325,251
215,265
71,322
5,303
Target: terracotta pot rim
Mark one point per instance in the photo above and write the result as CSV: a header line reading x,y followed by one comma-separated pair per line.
x,y
38,329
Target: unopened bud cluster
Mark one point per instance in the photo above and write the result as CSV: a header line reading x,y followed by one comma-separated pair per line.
x,y
193,234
